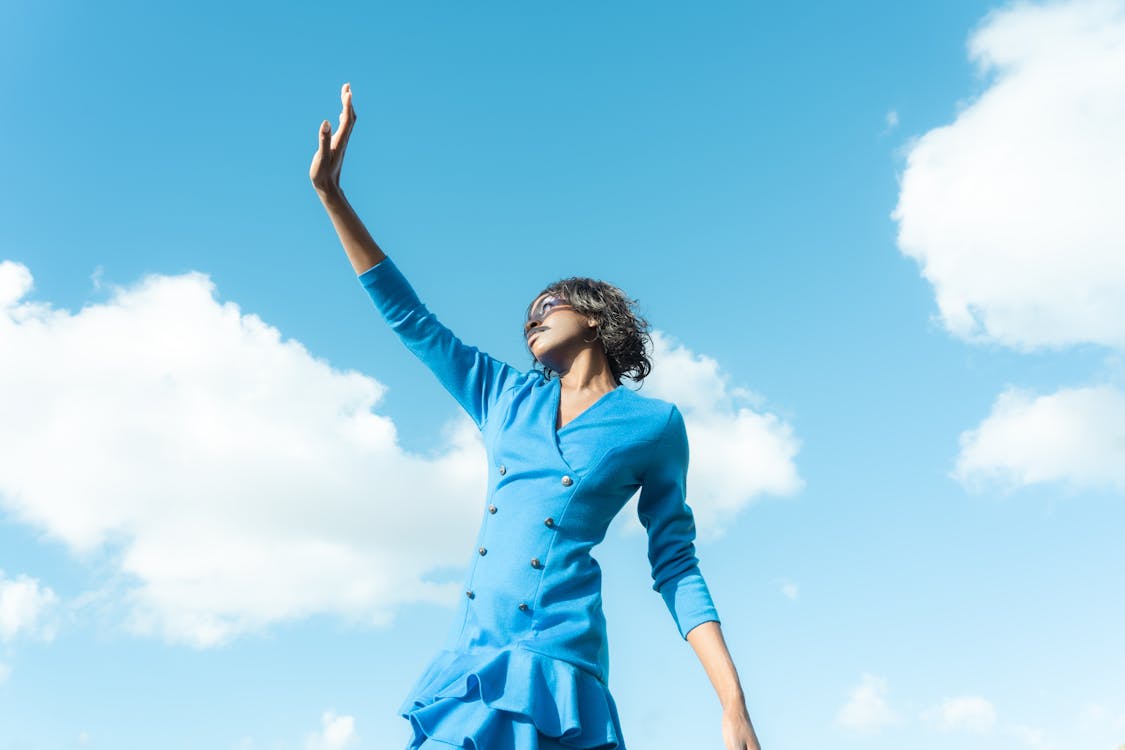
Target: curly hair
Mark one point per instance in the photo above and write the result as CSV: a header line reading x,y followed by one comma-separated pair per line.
x,y
623,332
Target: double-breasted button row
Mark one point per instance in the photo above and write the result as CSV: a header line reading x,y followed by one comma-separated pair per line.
x,y
523,606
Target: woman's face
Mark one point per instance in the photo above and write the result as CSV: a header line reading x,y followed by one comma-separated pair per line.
x,y
553,327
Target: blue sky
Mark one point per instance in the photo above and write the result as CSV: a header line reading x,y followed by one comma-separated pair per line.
x,y
879,244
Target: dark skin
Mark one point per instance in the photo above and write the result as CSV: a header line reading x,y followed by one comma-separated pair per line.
x,y
566,342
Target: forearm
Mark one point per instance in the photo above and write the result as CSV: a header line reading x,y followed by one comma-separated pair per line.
x,y
707,640
357,241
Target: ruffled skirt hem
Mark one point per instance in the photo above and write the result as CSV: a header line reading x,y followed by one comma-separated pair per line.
x,y
507,700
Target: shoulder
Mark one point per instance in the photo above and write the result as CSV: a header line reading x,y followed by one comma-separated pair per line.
x,y
660,417
649,407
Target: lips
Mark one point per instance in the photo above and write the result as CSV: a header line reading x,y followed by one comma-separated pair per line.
x,y
534,333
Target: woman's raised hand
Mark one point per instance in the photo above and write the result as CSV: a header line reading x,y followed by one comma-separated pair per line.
x,y
329,157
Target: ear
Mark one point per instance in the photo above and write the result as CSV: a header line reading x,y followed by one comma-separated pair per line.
x,y
591,323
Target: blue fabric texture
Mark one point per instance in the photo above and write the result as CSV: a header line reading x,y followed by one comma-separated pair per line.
x,y
526,656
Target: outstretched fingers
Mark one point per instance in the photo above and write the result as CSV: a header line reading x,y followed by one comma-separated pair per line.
x,y
347,119
325,169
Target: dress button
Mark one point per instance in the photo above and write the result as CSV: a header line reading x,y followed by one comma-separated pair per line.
x,y
535,563
523,607
482,550
470,594
503,469
550,523
492,509
567,481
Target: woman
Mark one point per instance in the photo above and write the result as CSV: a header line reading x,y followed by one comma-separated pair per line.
x,y
525,665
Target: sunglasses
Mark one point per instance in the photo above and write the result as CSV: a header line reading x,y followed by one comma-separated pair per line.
x,y
544,307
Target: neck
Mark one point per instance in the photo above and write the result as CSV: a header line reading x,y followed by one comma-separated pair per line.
x,y
588,371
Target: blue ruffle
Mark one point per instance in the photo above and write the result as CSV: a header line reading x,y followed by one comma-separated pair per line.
x,y
503,700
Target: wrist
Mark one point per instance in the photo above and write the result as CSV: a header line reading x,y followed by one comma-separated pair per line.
x,y
332,196
734,702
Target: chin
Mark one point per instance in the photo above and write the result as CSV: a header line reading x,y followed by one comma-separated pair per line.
x,y
545,359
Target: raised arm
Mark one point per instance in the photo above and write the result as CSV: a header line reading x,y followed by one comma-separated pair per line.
x,y
325,175
471,376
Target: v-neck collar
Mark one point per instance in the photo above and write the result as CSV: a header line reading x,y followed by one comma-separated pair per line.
x,y
556,401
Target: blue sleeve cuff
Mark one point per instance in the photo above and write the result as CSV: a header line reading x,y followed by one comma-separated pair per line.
x,y
689,601
392,294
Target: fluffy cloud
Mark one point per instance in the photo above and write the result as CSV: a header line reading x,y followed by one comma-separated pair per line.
x,y
1014,209
233,479
1075,435
336,733
866,709
970,713
26,608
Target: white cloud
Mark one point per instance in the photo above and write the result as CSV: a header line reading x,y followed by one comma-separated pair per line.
x,y
1014,212
336,732
788,588
15,282
866,709
891,120
26,608
969,713
1014,209
1076,435
737,452
233,480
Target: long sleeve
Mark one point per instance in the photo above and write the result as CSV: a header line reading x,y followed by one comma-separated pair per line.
x,y
666,516
471,376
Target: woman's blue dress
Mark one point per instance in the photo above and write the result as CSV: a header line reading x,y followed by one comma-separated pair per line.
x,y
526,656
